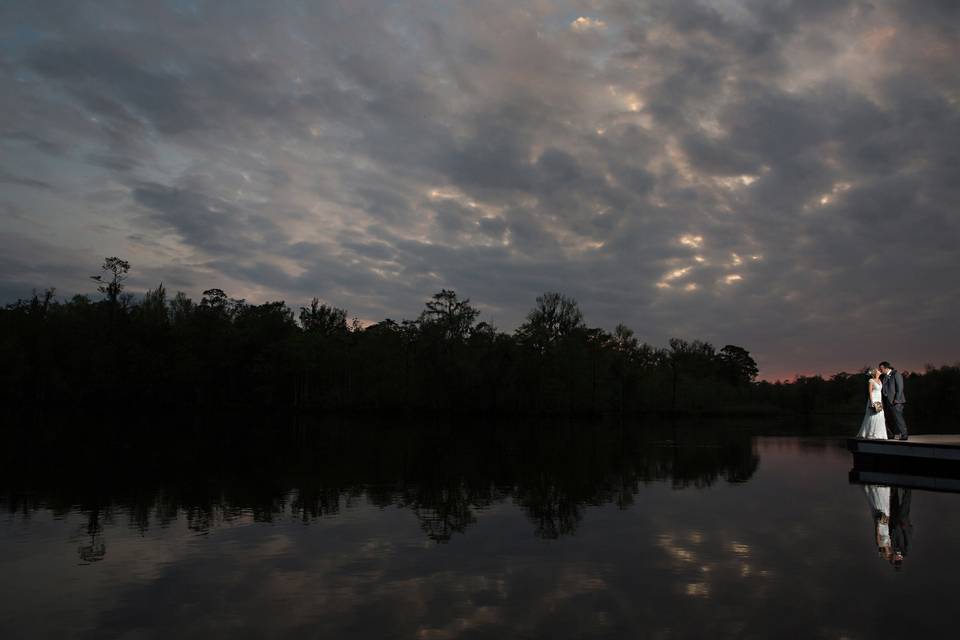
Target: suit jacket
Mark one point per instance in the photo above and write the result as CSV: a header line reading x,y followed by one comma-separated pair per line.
x,y
901,529
893,388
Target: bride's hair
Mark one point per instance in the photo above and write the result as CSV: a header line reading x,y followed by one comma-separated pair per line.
x,y
872,372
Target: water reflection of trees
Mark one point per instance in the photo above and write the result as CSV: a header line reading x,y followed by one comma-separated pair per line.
x,y
444,476
95,549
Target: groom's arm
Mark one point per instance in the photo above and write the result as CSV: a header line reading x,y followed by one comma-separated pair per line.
x,y
886,390
898,388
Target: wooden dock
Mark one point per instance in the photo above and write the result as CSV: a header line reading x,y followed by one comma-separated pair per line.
x,y
931,460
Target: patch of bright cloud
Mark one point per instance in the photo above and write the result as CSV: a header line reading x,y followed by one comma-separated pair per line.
x,y
585,23
677,273
837,189
692,241
736,182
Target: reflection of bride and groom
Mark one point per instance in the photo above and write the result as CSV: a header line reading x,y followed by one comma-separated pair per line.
x,y
885,400
890,508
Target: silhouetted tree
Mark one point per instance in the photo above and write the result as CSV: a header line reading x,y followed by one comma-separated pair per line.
x,y
689,362
554,317
738,365
117,270
153,307
215,299
625,364
449,315
181,307
323,319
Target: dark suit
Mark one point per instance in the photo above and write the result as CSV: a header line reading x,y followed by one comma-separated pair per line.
x,y
901,529
893,401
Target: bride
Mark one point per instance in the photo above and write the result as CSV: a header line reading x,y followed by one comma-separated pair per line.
x,y
873,426
878,496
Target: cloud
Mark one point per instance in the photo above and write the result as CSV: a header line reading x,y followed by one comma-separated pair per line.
x,y
6,178
584,23
375,153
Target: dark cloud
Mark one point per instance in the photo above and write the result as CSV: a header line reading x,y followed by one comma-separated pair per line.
x,y
737,171
6,178
92,73
197,218
39,142
386,206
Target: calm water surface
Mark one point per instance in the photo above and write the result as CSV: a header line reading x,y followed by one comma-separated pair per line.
x,y
592,534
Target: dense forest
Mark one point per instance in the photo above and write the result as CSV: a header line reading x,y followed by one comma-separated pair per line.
x,y
156,351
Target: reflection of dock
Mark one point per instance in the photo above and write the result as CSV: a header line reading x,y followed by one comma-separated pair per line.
x,y
927,462
928,483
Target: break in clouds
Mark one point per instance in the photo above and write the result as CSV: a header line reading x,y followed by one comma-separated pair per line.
x,y
779,175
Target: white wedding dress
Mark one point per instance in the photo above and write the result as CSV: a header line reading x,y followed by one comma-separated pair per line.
x,y
873,426
878,496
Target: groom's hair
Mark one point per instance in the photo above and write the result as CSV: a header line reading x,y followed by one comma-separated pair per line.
x,y
886,364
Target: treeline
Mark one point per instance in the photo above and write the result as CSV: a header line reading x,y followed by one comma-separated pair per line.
x,y
159,351
220,351
931,395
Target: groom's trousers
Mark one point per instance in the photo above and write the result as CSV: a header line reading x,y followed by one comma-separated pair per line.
x,y
895,422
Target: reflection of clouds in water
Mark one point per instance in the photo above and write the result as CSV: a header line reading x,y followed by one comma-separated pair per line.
x,y
371,573
666,542
573,583
703,567
322,578
672,564
480,616
274,545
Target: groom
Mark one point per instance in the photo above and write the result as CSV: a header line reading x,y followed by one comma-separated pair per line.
x,y
893,400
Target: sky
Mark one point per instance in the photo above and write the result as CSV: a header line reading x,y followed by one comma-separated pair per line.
x,y
783,176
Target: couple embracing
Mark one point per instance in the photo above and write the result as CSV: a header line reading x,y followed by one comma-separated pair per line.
x,y
885,402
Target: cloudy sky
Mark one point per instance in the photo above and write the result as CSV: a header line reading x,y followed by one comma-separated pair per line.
x,y
780,175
